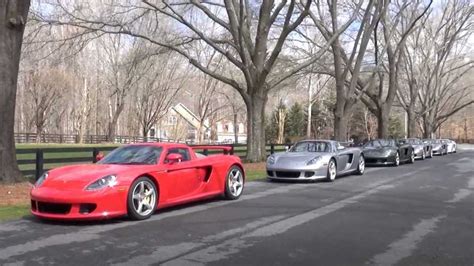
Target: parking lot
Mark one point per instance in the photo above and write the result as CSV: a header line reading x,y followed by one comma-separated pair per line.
x,y
415,214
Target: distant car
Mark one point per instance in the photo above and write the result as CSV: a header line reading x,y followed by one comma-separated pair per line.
x,y
451,145
135,180
388,152
440,147
315,159
421,149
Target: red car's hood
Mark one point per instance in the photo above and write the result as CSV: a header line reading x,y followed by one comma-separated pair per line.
x,y
79,176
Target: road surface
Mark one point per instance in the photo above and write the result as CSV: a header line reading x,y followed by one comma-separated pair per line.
x,y
420,214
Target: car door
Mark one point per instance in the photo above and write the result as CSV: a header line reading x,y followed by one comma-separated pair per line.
x,y
184,175
343,157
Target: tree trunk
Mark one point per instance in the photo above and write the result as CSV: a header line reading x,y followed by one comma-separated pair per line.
x,y
13,17
383,121
256,128
236,129
112,127
39,133
145,131
411,128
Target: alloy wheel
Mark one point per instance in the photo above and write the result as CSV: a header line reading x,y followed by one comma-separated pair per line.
x,y
235,182
144,198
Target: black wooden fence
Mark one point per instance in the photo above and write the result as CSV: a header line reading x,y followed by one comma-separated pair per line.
x,y
33,162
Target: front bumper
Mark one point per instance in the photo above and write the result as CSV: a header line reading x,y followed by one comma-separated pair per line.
x,y
52,203
297,174
375,160
419,154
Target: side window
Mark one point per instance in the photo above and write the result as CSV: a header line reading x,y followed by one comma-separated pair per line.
x,y
183,151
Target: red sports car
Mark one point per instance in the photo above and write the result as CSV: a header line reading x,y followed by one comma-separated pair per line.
x,y
135,180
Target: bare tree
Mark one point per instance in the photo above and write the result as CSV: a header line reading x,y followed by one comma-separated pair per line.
x,y
123,73
347,63
315,86
156,91
45,87
443,92
396,27
250,38
12,24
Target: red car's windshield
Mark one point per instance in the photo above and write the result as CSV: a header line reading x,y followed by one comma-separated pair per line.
x,y
138,154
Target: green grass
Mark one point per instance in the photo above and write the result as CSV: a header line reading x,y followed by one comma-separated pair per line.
x,y
254,175
13,212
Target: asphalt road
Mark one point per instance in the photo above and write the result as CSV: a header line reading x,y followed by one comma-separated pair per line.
x,y
420,214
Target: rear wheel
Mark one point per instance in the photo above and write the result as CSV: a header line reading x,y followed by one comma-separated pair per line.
x,y
361,166
234,183
332,171
142,198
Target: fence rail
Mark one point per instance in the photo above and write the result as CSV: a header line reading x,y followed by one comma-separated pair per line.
x,y
87,139
33,162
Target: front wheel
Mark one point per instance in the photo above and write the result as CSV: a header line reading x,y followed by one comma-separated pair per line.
x,y
361,165
142,198
412,157
397,159
234,183
332,171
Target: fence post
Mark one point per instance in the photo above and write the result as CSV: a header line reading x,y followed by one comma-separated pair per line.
x,y
39,163
95,152
272,148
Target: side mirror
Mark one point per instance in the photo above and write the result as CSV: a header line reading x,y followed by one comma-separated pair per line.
x,y
99,156
174,158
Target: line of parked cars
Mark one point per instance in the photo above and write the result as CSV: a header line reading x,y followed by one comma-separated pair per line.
x,y
137,179
326,159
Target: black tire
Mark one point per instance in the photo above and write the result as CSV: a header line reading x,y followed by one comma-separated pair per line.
x,y
132,212
361,169
397,162
332,172
412,157
234,175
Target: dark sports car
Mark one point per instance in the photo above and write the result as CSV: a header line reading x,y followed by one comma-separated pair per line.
x,y
422,149
388,152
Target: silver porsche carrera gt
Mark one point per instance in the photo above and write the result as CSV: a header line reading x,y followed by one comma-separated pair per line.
x,y
315,159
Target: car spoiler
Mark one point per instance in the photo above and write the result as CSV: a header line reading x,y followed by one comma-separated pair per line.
x,y
226,149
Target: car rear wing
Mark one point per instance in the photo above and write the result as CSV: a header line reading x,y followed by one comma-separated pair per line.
x,y
205,149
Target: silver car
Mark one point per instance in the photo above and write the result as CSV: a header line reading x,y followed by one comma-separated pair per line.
x,y
451,145
315,159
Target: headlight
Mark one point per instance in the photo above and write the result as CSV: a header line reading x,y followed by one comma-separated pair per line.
x,y
388,152
106,181
41,179
315,160
271,159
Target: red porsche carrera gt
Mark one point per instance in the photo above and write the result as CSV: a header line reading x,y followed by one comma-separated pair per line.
x,y
135,180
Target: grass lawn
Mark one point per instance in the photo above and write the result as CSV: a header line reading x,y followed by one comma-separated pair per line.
x,y
13,212
255,174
